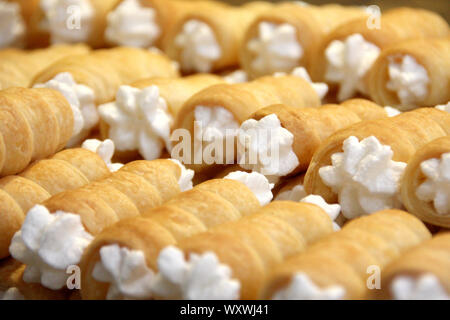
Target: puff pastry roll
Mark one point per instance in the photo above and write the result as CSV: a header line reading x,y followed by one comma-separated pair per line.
x,y
280,140
341,265
422,273
362,166
425,187
217,112
93,79
19,67
137,242
55,234
12,286
34,124
348,52
414,73
287,36
208,38
140,120
236,257
66,170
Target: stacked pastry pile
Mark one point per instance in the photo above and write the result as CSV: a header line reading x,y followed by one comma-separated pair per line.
x,y
175,149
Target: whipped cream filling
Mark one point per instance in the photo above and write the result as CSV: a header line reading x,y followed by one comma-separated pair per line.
x,y
139,119
276,48
332,210
302,287
12,26
82,101
444,107
256,182
132,24
320,87
11,294
199,47
200,277
348,62
364,176
238,76
126,271
49,243
266,147
297,193
213,124
408,79
185,180
68,21
105,149
436,187
392,112
425,287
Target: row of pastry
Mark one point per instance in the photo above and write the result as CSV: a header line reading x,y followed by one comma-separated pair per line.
x,y
400,59
119,227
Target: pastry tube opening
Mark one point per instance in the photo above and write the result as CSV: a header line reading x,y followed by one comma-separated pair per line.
x,y
425,185
205,206
420,274
146,125
288,36
215,114
365,242
346,54
208,37
55,234
340,170
66,170
308,127
414,73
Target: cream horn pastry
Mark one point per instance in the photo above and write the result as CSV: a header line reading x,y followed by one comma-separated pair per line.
x,y
141,118
410,74
215,114
292,189
144,23
19,67
137,242
208,38
288,35
66,170
76,21
340,265
93,79
55,234
422,273
280,140
231,261
361,166
347,53
12,286
425,187
34,124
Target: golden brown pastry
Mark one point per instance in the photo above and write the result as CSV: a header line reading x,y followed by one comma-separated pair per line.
x,y
34,124
222,108
413,73
19,67
346,54
140,239
425,184
288,36
248,249
361,166
66,170
341,265
422,273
